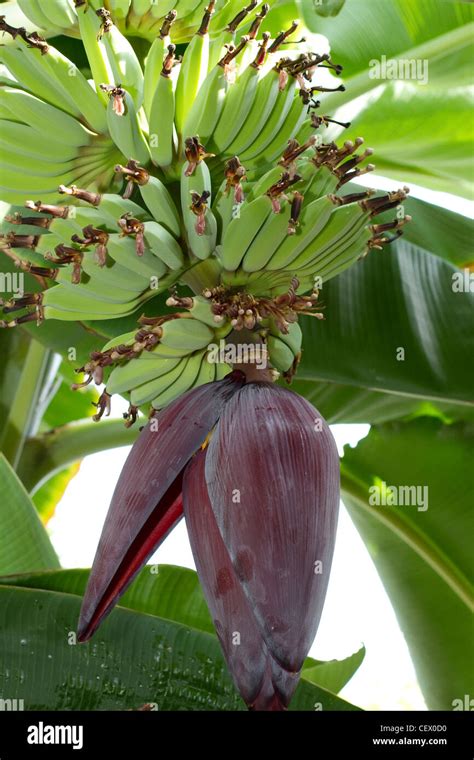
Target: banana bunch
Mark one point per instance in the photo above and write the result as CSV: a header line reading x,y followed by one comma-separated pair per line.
x,y
141,18
227,187
53,129
164,359
104,258
169,355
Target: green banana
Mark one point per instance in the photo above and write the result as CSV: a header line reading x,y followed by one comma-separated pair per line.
x,y
346,258
190,334
154,62
122,250
207,372
293,338
85,215
237,104
261,108
136,372
41,116
36,167
93,287
89,28
329,255
201,310
161,205
64,229
292,123
73,82
124,64
38,185
163,245
125,129
275,122
180,382
76,303
165,352
242,230
35,77
192,73
147,391
114,276
207,105
224,208
261,185
313,219
281,355
30,144
318,180
60,14
343,221
161,121
33,10
273,232
115,206
202,244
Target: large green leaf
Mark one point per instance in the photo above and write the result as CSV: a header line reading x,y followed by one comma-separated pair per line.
x,y
366,29
14,349
440,231
419,130
350,404
392,302
174,593
24,543
47,497
134,659
424,555
334,674
445,234
419,135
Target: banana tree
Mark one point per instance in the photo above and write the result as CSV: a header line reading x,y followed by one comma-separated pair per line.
x,y
186,225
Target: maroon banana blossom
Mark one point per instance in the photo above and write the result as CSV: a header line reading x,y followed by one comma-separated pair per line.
x,y
260,502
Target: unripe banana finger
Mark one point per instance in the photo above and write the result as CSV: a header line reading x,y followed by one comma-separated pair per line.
x,y
163,245
243,229
281,355
284,103
124,127
123,251
161,205
181,383
114,276
186,333
146,392
40,116
273,232
293,338
137,372
314,218
201,229
339,226
76,303
93,287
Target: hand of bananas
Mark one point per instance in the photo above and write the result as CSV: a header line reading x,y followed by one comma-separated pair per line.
x,y
228,186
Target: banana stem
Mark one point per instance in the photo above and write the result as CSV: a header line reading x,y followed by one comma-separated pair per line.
x,y
46,454
23,412
205,274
